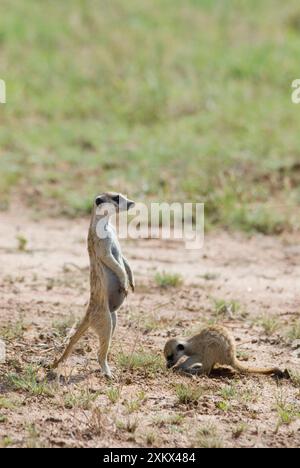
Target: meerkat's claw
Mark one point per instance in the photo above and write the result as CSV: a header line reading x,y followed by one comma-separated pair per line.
x,y
132,287
123,291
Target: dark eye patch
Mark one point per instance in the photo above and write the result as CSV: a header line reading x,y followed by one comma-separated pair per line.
x,y
180,347
98,201
116,199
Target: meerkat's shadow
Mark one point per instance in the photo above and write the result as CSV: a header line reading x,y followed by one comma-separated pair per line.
x,y
66,380
219,373
4,385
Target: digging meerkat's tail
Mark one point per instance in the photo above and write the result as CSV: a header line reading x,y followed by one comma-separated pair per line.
x,y
255,370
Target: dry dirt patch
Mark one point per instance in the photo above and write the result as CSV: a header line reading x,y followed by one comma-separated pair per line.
x,y
248,284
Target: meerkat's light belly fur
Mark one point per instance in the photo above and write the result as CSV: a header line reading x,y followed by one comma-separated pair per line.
x,y
115,297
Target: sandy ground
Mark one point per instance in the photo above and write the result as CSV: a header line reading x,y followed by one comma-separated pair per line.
x,y
44,290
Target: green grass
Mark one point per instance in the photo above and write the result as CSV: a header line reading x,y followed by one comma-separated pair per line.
x,y
149,364
28,382
223,308
82,399
63,326
229,392
167,280
135,404
294,331
164,100
13,331
207,437
188,394
6,403
269,323
287,412
239,429
22,242
6,442
163,420
113,394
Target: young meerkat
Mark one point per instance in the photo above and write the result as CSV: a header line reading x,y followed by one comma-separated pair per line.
x,y
110,277
213,345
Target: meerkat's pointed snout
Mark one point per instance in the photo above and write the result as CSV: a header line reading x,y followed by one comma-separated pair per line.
x,y
130,204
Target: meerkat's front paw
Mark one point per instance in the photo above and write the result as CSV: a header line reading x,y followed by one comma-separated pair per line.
x,y
124,290
132,285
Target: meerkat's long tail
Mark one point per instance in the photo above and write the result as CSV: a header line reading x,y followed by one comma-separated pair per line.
x,y
84,325
255,370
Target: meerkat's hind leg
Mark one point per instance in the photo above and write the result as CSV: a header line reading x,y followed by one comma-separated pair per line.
x,y
84,325
103,326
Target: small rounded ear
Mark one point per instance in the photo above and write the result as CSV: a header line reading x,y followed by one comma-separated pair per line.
x,y
98,201
180,347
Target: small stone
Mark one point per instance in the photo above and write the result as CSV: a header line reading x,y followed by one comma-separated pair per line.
x,y
296,344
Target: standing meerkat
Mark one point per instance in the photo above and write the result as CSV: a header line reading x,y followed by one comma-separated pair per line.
x,y
213,345
110,277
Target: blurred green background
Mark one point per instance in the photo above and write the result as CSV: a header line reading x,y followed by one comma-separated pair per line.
x,y
161,99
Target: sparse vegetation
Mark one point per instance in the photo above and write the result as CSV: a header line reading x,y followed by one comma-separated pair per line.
x,y
28,381
224,308
295,377
187,394
167,280
33,437
83,399
223,405
6,442
129,425
142,361
6,403
151,438
287,412
22,242
12,331
207,437
209,276
113,394
239,429
294,331
269,323
168,420
63,326
228,392
135,404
